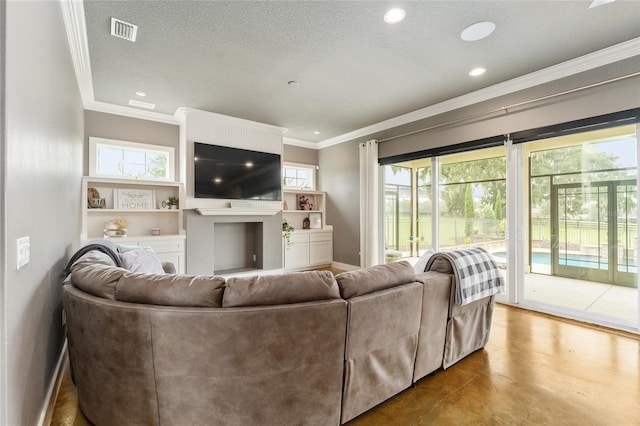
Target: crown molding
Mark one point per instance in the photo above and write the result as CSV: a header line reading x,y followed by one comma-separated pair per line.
x,y
587,62
131,112
76,28
300,143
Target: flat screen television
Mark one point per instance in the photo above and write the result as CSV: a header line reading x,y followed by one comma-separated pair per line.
x,y
236,174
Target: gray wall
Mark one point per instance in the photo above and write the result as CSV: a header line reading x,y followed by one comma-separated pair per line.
x,y
339,164
41,199
612,97
297,154
111,126
339,177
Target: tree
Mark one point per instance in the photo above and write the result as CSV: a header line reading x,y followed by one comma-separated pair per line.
x,y
489,173
469,211
574,164
498,208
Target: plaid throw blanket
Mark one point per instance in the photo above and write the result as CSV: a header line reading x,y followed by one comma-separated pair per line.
x,y
475,272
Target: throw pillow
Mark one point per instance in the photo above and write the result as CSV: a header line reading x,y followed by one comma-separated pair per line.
x,y
421,264
374,278
143,260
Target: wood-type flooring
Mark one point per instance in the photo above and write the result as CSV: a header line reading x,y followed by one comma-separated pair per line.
x,y
536,369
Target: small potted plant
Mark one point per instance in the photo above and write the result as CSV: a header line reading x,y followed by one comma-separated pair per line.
x,y
172,202
286,232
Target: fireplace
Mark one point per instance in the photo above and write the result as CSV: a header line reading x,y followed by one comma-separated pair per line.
x,y
224,243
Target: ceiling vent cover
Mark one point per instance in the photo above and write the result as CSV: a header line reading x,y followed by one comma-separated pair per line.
x,y
123,29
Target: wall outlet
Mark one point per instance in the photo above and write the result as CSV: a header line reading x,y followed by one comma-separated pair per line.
x,y
23,247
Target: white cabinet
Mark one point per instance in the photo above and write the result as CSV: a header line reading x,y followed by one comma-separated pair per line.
x,y
320,248
296,254
141,216
311,247
308,249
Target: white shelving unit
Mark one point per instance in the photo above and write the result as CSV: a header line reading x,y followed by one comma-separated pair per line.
x,y
295,215
309,248
169,245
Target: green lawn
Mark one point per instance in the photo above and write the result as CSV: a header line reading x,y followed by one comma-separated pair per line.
x,y
575,233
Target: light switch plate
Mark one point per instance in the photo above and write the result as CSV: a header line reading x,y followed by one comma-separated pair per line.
x,y
23,246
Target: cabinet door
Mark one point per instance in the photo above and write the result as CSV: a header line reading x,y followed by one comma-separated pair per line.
x,y
320,252
296,255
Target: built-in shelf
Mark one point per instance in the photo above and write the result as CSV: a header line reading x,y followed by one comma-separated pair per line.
x,y
237,212
130,211
302,211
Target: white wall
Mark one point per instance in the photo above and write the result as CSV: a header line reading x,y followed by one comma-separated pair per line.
x,y
41,198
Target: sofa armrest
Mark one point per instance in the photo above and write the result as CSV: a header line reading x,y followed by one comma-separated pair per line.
x,y
169,267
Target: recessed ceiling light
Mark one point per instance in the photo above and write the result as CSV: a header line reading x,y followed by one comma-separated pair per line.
x,y
217,180
141,94
477,71
248,164
316,132
478,31
395,15
596,3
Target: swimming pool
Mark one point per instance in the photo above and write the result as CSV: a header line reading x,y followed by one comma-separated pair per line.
x,y
578,260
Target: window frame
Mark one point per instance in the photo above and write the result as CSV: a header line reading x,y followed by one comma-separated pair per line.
x,y
96,143
311,167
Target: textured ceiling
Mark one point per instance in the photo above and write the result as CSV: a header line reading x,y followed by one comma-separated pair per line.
x,y
235,58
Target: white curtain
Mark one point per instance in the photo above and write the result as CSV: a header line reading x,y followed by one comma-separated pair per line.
x,y
369,203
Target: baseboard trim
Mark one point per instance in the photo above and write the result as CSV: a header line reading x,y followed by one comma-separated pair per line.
x,y
54,387
344,266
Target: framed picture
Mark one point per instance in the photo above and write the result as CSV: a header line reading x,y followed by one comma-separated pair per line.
x,y
306,202
316,220
134,199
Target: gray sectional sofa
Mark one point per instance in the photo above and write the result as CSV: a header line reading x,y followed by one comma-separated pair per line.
x,y
298,348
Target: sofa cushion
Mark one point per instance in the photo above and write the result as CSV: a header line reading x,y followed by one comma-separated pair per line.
x,y
170,290
143,260
95,274
294,287
374,278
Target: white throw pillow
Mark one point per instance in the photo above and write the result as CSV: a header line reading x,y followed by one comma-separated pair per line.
x,y
422,262
142,260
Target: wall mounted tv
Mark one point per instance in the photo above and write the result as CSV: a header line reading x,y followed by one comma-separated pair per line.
x,y
236,174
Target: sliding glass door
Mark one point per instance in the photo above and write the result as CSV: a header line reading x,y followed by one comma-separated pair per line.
x,y
559,216
583,224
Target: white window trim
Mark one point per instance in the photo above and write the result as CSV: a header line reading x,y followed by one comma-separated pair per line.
x,y
93,157
312,167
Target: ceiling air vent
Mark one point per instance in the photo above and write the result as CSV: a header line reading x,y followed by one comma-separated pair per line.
x,y
123,29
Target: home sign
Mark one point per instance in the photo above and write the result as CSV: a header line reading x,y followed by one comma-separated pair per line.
x,y
134,199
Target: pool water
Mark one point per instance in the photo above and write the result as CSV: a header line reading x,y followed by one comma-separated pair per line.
x,y
578,260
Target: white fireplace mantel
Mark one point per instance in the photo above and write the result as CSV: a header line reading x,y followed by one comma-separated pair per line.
x,y
237,212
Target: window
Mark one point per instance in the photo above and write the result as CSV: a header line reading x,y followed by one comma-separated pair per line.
x,y
130,160
298,176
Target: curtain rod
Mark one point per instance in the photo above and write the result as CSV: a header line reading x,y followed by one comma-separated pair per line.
x,y
506,108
